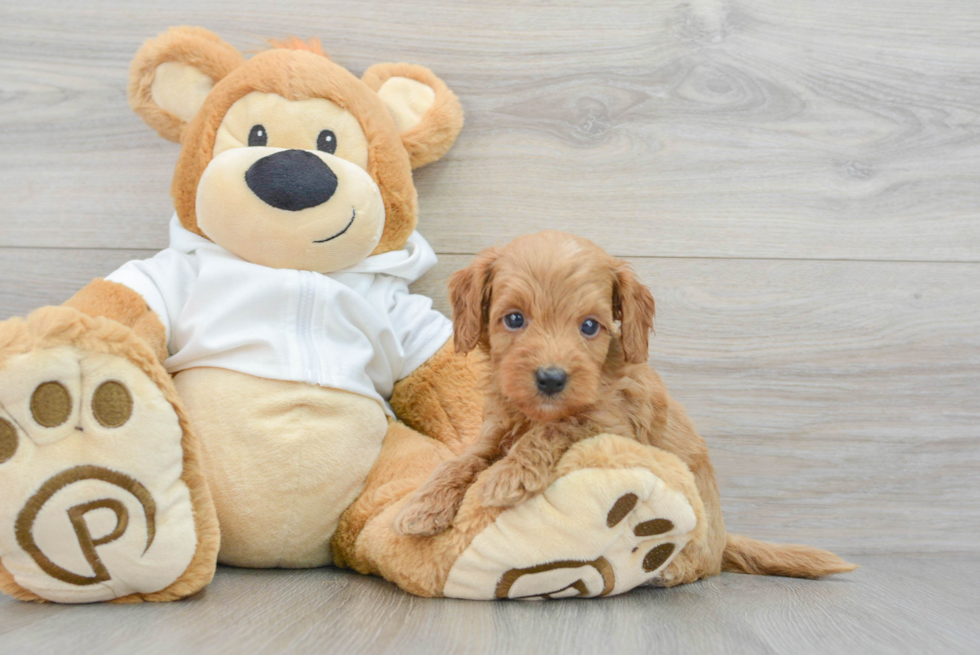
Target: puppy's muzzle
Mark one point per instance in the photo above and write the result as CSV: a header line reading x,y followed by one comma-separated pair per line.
x,y
550,380
291,180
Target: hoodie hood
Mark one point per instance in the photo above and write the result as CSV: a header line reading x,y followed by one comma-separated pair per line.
x,y
410,263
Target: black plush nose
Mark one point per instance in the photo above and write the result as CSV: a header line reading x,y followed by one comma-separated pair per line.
x,y
291,180
550,380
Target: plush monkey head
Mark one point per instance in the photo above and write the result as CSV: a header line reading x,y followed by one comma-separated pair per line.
x,y
287,159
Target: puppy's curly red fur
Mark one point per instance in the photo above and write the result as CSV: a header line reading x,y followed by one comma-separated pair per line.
x,y
556,283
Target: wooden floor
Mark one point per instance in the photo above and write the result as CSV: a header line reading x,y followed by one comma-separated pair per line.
x,y
892,605
799,184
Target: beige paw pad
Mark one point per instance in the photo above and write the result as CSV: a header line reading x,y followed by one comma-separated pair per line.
x,y
94,507
593,532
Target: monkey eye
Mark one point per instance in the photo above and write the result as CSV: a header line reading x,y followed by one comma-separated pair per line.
x,y
514,321
590,327
327,142
257,136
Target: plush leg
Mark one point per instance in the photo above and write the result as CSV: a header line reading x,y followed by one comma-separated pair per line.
x,y
283,460
101,493
616,514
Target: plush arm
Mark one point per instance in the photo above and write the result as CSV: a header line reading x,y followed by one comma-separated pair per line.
x,y
123,305
442,398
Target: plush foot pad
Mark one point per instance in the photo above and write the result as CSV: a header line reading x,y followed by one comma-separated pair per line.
x,y
593,532
93,505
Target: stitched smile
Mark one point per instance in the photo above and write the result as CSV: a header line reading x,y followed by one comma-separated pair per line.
x,y
352,215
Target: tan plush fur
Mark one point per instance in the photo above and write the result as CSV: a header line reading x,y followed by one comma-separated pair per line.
x,y
297,75
51,327
123,305
699,558
189,45
267,445
442,398
296,70
436,132
558,286
421,565
365,541
293,43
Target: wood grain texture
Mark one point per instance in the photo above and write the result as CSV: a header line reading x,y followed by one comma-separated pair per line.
x,y
890,605
723,128
35,277
798,184
839,399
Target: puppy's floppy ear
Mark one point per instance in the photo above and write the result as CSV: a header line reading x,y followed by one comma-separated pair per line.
x,y
633,307
427,114
171,75
469,293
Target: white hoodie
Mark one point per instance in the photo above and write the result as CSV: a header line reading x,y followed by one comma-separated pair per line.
x,y
357,329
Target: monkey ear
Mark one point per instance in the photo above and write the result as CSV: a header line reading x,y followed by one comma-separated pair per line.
x,y
469,294
172,74
427,114
633,307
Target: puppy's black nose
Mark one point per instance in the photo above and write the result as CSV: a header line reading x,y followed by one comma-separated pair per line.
x,y
550,380
291,180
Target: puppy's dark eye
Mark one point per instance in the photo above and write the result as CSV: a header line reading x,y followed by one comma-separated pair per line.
x,y
258,136
327,141
514,321
590,327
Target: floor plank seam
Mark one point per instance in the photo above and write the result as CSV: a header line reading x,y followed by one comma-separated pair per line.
x,y
624,256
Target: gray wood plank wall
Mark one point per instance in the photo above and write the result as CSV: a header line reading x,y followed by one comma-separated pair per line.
x,y
798,183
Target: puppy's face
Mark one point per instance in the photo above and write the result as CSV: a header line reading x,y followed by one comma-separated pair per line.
x,y
549,334
549,310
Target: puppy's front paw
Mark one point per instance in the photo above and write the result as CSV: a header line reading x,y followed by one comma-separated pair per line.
x,y
507,484
423,516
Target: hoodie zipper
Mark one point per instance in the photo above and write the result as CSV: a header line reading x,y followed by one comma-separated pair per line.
x,y
307,303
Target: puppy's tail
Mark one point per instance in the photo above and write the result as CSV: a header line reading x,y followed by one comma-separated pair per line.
x,y
746,555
